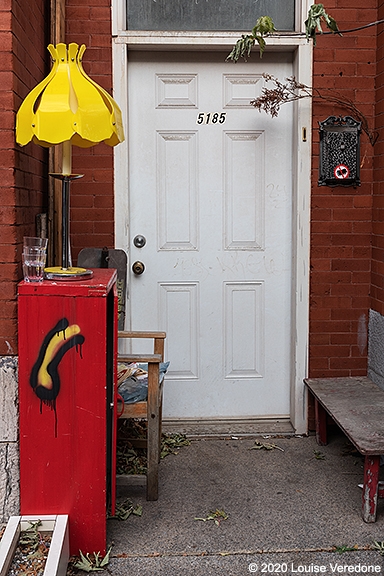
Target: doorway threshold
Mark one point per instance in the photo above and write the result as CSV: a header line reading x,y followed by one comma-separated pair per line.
x,y
217,427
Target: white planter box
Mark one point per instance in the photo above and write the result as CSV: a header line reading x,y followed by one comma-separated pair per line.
x,y
58,555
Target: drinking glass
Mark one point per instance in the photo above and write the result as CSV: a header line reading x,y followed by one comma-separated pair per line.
x,y
35,241
33,258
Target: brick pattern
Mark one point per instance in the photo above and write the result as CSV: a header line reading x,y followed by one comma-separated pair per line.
x,y
377,288
22,179
92,197
341,217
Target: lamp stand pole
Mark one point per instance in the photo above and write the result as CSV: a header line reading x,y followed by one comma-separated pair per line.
x,y
66,271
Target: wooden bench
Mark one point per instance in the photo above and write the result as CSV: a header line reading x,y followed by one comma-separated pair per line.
x,y
356,404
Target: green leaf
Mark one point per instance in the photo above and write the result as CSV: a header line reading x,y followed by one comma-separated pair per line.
x,y
318,455
171,441
105,560
242,49
315,15
124,509
266,446
332,24
84,563
97,561
216,515
262,44
345,548
379,546
87,565
29,538
138,511
264,25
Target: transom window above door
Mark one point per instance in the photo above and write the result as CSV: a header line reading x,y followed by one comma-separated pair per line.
x,y
207,15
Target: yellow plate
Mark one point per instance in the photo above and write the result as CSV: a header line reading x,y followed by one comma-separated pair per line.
x,y
59,273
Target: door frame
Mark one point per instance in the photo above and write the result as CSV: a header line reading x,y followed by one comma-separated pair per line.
x,y
301,185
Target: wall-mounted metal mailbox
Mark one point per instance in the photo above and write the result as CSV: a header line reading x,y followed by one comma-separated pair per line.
x,y
339,151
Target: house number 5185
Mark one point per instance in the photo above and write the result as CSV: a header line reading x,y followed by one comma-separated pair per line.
x,y
211,118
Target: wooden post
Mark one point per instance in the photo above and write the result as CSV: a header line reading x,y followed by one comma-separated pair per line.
x,y
153,440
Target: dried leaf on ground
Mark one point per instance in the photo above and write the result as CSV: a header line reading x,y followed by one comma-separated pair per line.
x,y
379,546
131,451
345,548
169,442
265,446
318,455
217,516
125,508
92,562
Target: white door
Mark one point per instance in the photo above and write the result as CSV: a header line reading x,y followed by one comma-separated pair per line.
x,y
210,188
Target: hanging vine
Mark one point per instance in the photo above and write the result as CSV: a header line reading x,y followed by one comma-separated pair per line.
x,y
264,27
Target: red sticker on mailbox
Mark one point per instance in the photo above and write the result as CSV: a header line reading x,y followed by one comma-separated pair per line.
x,y
341,172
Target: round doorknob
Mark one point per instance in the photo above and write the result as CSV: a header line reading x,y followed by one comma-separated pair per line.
x,y
138,268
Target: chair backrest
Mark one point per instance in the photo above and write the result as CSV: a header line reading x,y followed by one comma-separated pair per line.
x,y
157,337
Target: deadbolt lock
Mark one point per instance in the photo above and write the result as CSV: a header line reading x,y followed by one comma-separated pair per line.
x,y
139,241
138,268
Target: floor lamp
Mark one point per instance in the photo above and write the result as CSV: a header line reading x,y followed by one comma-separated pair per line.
x,y
70,109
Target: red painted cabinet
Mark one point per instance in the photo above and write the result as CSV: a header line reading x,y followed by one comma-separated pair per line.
x,y
67,364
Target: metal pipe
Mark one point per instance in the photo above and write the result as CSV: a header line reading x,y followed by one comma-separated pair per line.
x,y
65,222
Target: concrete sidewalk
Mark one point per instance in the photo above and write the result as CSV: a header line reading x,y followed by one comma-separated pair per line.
x,y
286,509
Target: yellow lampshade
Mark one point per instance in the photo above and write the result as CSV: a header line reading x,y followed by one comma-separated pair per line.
x,y
68,106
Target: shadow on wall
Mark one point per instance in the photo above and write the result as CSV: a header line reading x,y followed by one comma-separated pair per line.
x,y
376,348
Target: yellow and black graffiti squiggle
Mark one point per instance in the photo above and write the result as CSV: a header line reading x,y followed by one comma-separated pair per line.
x,y
44,378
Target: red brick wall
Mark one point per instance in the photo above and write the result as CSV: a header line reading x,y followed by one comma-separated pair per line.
x,y
92,200
377,288
22,180
341,217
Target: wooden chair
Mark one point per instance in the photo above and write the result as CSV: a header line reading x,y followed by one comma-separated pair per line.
x,y
150,409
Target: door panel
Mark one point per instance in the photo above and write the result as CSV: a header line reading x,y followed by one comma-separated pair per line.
x,y
210,188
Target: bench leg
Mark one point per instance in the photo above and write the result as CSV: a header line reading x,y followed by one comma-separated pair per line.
x,y
370,487
160,422
153,440
321,424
